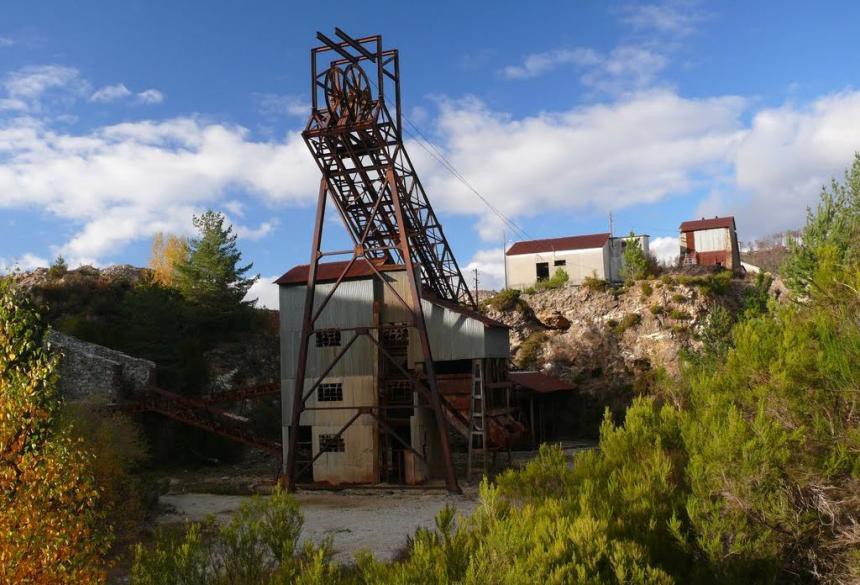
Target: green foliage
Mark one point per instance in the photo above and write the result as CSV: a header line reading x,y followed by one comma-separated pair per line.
x,y
634,265
657,309
51,528
210,275
680,315
557,280
260,544
756,299
58,268
118,451
830,235
679,298
595,284
714,284
629,321
507,299
646,289
529,352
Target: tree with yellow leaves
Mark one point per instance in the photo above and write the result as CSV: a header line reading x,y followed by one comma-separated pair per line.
x,y
168,251
50,528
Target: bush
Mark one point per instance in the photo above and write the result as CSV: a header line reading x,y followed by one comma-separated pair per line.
x,y
595,284
58,269
51,528
657,309
646,289
259,545
558,280
628,321
118,448
679,298
680,315
529,352
507,299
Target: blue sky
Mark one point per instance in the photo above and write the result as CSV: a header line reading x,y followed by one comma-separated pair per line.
x,y
121,119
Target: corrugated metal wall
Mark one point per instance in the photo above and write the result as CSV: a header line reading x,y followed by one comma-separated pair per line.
x,y
714,240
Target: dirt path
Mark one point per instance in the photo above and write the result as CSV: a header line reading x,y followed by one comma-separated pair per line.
x,y
378,521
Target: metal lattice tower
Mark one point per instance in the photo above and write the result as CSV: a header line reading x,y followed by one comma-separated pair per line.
x,y
368,176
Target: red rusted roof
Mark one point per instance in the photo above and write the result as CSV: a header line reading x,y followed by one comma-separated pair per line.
x,y
540,383
558,244
708,224
330,271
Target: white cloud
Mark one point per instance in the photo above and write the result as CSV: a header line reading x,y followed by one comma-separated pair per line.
x,y
150,96
665,249
539,63
265,292
491,269
637,150
675,17
124,182
785,158
272,104
26,262
625,68
6,41
26,87
258,233
110,93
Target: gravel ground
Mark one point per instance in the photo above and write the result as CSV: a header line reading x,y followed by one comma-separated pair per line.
x,y
374,520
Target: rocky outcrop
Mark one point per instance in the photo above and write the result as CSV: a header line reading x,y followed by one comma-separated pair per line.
x,y
609,338
88,370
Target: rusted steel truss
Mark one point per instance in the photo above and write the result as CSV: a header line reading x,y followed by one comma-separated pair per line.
x,y
367,174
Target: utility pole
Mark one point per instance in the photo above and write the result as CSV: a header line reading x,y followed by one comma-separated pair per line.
x,y
610,225
505,255
477,299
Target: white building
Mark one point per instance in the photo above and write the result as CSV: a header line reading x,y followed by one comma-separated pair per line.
x,y
597,255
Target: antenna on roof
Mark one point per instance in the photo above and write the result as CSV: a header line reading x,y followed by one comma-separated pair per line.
x,y
610,224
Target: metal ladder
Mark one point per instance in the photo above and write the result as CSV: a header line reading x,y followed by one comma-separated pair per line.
x,y
477,422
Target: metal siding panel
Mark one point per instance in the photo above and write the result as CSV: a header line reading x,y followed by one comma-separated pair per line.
x,y
712,240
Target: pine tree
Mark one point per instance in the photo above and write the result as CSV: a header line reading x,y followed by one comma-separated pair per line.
x,y
211,275
635,262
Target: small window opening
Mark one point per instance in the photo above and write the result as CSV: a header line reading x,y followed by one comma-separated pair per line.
x,y
328,338
560,263
330,392
542,270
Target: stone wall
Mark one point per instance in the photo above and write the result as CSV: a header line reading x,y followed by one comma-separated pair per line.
x,y
90,370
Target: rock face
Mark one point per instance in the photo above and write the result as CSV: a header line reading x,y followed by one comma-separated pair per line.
x,y
604,339
88,370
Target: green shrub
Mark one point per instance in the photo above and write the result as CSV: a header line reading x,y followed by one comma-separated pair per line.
x,y
595,284
657,309
260,544
557,280
507,299
628,321
646,288
529,352
58,269
667,279
680,315
679,298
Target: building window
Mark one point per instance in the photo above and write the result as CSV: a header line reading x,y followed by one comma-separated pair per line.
x,y
328,338
330,392
332,444
560,263
396,336
542,270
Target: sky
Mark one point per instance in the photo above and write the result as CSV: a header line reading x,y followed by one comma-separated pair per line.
x,y
119,120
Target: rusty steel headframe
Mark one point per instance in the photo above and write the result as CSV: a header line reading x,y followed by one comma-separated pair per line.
x,y
358,146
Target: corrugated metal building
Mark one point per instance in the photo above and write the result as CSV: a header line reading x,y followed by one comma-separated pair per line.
x,y
710,242
597,255
363,377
